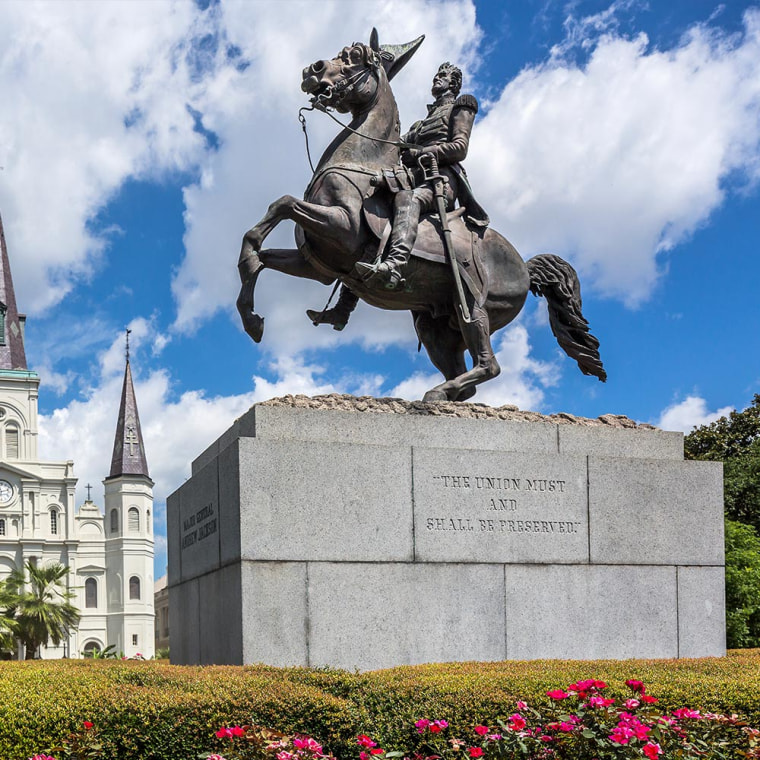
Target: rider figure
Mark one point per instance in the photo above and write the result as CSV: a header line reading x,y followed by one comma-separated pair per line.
x,y
445,133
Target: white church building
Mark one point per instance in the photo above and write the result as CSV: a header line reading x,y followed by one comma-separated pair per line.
x,y
110,551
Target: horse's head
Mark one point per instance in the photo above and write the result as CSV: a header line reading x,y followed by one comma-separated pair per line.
x,y
351,79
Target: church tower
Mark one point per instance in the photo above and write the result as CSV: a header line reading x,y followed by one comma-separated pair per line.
x,y
129,533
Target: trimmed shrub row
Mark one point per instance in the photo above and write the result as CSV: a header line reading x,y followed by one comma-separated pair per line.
x,y
156,711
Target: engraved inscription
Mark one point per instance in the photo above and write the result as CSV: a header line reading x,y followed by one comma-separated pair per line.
x,y
199,526
530,488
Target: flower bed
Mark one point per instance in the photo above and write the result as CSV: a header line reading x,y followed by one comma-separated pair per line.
x,y
155,711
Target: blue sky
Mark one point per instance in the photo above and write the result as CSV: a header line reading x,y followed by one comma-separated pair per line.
x,y
140,140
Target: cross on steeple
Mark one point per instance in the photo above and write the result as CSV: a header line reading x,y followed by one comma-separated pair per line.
x,y
128,331
89,489
131,440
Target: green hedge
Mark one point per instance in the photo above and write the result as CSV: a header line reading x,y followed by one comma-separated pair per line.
x,y
156,711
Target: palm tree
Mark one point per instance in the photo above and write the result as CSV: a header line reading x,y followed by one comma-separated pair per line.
x,y
42,605
7,623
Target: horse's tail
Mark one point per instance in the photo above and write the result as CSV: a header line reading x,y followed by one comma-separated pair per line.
x,y
553,278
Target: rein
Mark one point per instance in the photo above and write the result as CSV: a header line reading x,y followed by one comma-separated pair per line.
x,y
347,85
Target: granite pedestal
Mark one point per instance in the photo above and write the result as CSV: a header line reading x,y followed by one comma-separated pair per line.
x,y
374,535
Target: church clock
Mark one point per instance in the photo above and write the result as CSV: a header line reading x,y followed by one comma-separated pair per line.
x,y
6,491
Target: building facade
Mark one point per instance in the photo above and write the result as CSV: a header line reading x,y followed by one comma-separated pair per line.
x,y
109,552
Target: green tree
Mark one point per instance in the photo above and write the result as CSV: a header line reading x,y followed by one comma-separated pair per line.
x,y
742,585
735,441
42,605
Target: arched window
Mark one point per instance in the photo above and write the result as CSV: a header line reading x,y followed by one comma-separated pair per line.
x,y
114,521
53,522
133,520
2,527
91,648
11,442
134,587
91,593
147,520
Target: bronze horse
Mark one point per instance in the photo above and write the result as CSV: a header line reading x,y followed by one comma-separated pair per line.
x,y
333,233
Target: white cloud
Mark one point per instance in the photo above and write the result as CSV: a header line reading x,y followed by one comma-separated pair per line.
x,y
100,94
614,162
689,413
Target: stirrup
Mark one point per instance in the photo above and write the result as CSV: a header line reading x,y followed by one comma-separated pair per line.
x,y
328,317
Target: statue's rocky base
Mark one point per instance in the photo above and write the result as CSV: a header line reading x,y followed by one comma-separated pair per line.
x,y
367,533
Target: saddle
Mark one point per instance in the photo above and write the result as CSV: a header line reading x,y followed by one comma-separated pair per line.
x,y
429,245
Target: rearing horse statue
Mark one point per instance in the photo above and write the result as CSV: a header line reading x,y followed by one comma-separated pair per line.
x,y
340,222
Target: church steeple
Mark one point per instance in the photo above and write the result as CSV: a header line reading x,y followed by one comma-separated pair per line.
x,y
12,354
128,449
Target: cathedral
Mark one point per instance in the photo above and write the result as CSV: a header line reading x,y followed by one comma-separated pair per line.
x,y
109,552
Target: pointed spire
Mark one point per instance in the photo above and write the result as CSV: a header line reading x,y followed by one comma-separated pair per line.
x,y
128,450
12,354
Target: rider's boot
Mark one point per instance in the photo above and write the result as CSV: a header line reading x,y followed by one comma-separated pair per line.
x,y
406,219
339,314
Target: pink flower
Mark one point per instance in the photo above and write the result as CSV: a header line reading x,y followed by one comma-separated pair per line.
x,y
475,752
621,735
493,737
631,704
546,738
364,741
422,724
596,701
522,705
224,733
566,727
636,686
651,750
517,722
284,755
363,756
215,757
481,730
42,757
557,694
307,743
685,712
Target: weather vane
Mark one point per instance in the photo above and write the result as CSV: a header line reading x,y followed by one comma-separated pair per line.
x,y
128,331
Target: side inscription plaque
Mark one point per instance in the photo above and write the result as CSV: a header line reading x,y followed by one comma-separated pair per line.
x,y
499,507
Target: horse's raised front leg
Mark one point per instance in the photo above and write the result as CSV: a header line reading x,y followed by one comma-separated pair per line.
x,y
334,222
285,260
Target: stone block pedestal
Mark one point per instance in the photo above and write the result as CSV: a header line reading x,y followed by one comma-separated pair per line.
x,y
400,535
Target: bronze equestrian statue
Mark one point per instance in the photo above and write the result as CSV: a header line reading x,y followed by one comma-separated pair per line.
x,y
461,280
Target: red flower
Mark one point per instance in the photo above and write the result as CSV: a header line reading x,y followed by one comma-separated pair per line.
x,y
557,694
87,725
517,722
475,752
224,733
237,731
364,741
651,750
377,751
481,730
649,700
636,686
